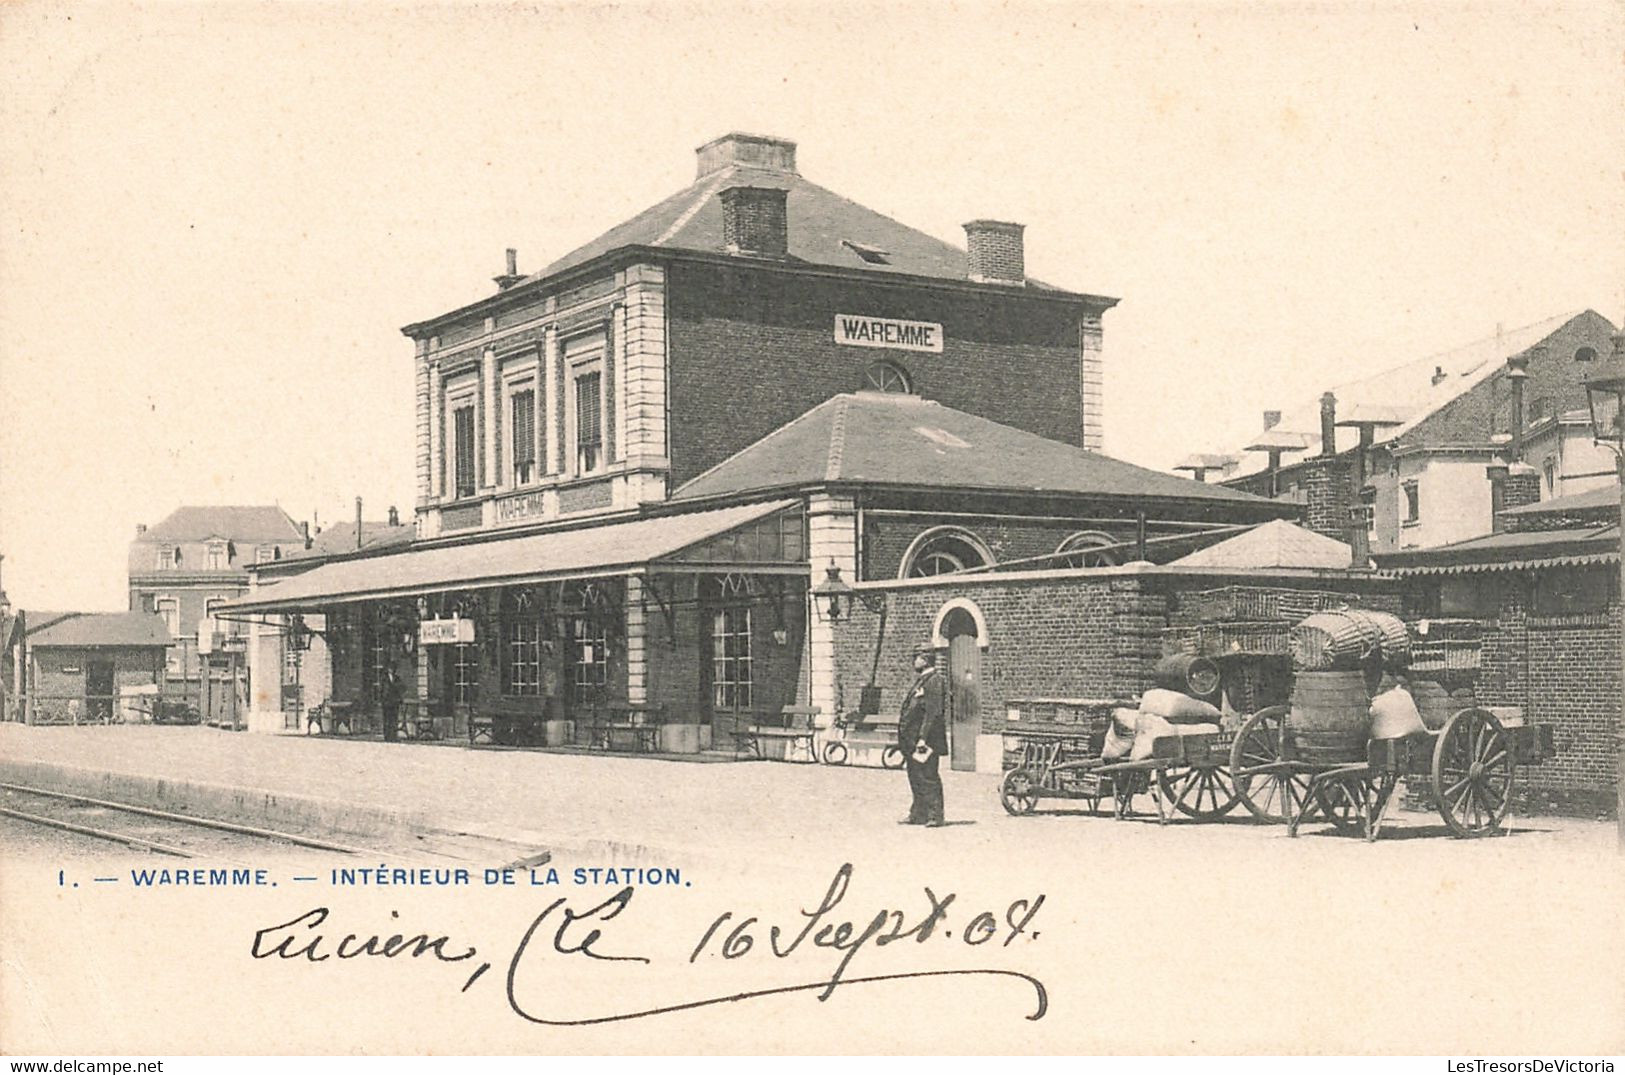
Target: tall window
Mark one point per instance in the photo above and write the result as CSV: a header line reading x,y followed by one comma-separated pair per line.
x,y
463,451
589,660
217,556
730,658
524,436
169,556
522,635
465,672
374,658
1413,502
170,610
589,422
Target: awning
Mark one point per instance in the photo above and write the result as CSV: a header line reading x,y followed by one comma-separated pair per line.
x,y
1505,565
500,561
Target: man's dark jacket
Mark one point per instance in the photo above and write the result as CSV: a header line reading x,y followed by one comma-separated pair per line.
x,y
925,714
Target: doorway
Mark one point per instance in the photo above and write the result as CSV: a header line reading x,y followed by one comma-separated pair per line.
x,y
99,691
964,687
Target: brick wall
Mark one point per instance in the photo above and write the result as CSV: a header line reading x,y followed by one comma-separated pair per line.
x,y
887,538
750,350
51,688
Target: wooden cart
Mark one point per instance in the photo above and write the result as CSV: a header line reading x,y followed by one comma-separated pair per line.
x,y
1469,766
1185,774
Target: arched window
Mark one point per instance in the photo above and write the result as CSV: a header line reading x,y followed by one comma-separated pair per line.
x,y
1585,354
1087,548
942,550
887,377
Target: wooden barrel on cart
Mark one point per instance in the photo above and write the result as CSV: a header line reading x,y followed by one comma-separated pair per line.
x,y
1330,718
1187,673
1438,704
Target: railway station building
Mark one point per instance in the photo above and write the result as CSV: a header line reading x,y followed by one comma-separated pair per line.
x,y
636,465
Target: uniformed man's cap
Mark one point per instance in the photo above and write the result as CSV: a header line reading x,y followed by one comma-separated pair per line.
x,y
925,649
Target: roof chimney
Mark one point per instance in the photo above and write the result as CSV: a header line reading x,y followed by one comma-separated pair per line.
x,y
1517,373
304,531
394,516
1438,374
1328,423
358,522
754,221
995,253
511,277
140,528
1272,419
749,150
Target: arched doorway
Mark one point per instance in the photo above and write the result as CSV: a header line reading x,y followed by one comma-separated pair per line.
x,y
959,628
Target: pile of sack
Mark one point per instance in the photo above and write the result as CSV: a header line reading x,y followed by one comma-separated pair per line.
x,y
1162,712
1394,714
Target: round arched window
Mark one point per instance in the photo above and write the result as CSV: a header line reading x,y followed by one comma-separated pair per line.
x,y
887,377
944,550
1087,548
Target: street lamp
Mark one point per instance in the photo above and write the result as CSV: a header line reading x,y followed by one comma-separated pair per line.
x,y
833,597
1605,394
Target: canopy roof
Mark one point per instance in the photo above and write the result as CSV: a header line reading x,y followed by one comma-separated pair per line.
x,y
497,562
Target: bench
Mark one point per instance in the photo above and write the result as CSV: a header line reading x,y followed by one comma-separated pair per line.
x,y
326,718
507,721
638,722
792,726
417,719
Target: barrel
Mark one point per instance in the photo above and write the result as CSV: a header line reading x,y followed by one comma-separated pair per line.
x,y
1392,637
1437,704
1187,673
1333,640
1330,717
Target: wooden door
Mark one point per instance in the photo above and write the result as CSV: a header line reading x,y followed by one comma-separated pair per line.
x,y
964,681
99,690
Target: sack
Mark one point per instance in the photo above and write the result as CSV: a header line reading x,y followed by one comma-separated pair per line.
x,y
1196,729
1124,721
1178,708
1117,744
1394,715
1152,726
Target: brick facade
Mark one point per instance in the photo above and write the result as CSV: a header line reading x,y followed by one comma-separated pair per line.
x,y
749,350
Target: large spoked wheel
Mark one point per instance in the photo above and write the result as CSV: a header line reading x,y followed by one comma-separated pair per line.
x,y
892,758
1017,793
835,753
1473,770
1205,793
1271,792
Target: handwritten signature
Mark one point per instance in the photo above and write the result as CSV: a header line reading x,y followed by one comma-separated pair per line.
x,y
560,930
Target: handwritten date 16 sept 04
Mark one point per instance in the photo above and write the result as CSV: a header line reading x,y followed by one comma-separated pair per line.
x,y
563,931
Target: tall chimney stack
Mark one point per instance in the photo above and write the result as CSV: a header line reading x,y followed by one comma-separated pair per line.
x,y
1272,419
995,252
1328,424
758,151
1517,373
394,516
511,277
754,221
358,522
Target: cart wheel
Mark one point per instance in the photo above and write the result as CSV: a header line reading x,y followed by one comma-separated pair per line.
x,y
1017,793
1473,769
1272,796
835,753
1205,794
892,758
1343,805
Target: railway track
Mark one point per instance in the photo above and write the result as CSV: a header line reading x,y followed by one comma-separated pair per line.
x,y
186,836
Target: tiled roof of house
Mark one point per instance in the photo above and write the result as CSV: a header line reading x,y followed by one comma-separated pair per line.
x,y
892,439
1408,394
234,523
339,540
1510,551
1606,496
95,629
1277,543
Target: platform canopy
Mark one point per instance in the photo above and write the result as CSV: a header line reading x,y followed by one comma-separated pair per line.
x,y
678,539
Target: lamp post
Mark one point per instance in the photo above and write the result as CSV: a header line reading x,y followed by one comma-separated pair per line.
x,y
1605,393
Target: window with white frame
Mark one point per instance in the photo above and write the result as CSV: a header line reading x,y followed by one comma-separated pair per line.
x,y
169,557
731,658
589,421
589,659
170,609
522,635
944,550
217,556
465,672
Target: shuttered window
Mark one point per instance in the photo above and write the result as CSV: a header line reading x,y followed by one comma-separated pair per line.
x,y
524,437
463,449
589,422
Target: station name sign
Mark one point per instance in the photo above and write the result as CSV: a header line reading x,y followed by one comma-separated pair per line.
x,y
445,632
857,331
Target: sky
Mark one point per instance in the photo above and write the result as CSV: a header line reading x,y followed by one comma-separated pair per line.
x,y
216,218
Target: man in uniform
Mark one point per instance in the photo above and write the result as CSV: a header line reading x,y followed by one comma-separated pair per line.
x,y
922,734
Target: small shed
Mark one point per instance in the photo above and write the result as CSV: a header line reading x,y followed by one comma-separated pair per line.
x,y
87,667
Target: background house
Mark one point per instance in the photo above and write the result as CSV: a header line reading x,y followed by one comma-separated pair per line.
x,y
181,568
84,667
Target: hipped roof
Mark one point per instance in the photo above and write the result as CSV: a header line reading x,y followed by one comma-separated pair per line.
x,y
891,439
86,630
1277,543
